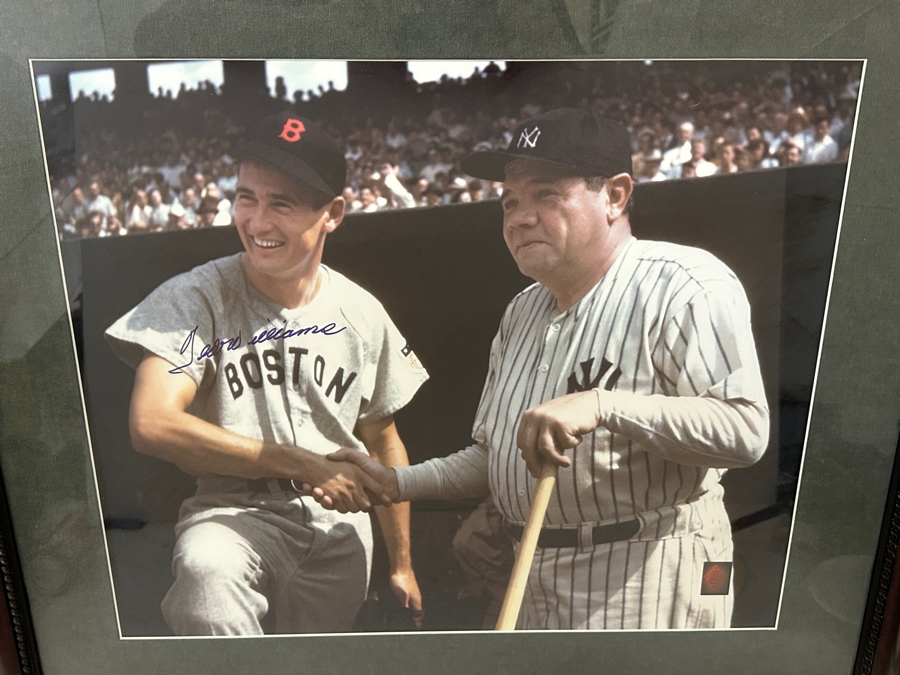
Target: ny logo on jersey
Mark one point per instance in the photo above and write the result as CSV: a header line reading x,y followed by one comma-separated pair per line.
x,y
587,382
527,139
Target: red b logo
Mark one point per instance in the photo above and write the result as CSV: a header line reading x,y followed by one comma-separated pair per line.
x,y
291,130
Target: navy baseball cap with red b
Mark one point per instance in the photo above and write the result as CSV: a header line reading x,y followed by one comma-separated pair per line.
x,y
298,147
568,137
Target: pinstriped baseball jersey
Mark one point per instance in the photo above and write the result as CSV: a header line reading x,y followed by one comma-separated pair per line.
x,y
666,320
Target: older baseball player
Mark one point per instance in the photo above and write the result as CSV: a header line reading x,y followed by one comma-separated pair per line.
x,y
630,364
250,369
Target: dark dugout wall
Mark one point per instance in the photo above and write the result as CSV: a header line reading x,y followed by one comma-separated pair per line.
x,y
445,277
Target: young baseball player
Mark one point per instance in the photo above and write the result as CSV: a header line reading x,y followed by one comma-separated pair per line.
x,y
250,369
631,365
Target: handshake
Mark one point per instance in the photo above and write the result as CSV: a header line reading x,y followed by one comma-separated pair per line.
x,y
350,481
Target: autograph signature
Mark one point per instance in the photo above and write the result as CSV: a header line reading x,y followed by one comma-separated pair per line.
x,y
230,344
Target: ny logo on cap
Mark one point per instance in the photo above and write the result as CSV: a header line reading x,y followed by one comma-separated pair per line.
x,y
292,129
527,139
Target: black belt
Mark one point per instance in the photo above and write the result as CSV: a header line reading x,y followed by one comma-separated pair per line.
x,y
601,534
262,484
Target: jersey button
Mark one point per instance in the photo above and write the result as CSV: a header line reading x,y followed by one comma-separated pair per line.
x,y
555,327
521,492
545,368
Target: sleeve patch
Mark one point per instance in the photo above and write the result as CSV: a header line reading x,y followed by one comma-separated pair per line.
x,y
411,357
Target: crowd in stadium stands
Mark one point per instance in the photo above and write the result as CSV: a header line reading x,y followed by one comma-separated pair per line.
x,y
686,119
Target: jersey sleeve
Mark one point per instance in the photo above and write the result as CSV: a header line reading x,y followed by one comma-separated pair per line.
x,y
713,411
707,348
463,474
174,322
394,373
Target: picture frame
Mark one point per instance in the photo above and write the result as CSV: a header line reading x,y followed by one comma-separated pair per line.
x,y
854,414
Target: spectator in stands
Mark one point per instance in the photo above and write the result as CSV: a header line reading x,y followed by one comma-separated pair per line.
x,y
434,166
368,199
689,169
114,227
797,128
434,196
821,147
159,212
190,201
752,133
393,138
354,149
680,152
742,158
100,203
200,184
650,168
187,203
418,192
841,129
702,167
89,226
73,208
137,218
167,195
495,189
793,154
726,158
646,148
351,202
476,191
227,178
176,218
758,154
207,212
778,134
172,169
458,189
61,190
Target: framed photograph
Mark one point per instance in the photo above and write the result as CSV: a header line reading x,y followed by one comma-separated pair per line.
x,y
139,106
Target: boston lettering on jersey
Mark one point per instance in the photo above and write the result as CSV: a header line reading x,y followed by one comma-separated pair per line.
x,y
249,372
587,382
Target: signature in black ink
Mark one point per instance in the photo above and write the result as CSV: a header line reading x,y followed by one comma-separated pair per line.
x,y
208,351
284,332
232,343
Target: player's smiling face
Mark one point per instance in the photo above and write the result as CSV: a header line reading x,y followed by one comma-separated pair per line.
x,y
280,224
554,226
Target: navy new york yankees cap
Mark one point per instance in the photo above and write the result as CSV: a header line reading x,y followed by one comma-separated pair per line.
x,y
298,147
567,137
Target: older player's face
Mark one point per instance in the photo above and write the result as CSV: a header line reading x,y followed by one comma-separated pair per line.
x,y
282,232
555,227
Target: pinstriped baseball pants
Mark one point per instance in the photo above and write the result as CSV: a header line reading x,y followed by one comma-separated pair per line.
x,y
628,585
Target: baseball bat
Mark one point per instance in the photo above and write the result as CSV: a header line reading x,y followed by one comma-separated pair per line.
x,y
512,602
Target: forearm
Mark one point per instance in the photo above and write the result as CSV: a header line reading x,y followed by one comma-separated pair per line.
x,y
384,444
696,431
462,475
394,522
197,446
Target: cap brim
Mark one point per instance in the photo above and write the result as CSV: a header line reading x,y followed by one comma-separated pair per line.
x,y
291,165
